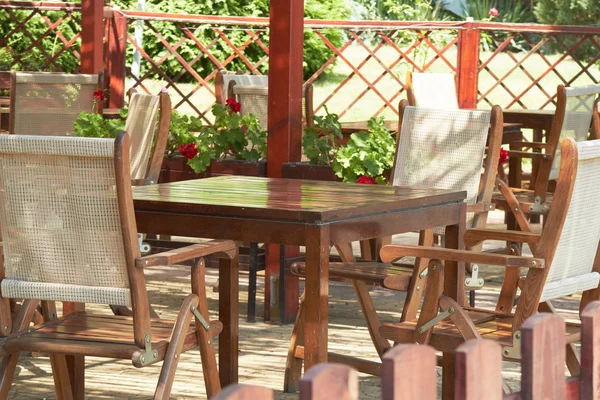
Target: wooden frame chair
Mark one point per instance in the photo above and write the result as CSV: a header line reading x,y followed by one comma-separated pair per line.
x,y
48,103
69,234
431,90
223,78
564,262
456,140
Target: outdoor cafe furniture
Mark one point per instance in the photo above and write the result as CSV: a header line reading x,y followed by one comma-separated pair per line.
x,y
442,149
69,234
224,77
48,103
563,263
576,109
315,214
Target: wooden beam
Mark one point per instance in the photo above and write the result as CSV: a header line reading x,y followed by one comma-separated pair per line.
x,y
92,31
468,64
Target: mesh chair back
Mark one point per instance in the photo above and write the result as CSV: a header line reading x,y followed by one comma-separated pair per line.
x,y
257,81
49,103
434,90
571,268
442,149
578,118
142,119
61,232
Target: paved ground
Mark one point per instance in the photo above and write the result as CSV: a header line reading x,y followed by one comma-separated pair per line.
x,y
263,346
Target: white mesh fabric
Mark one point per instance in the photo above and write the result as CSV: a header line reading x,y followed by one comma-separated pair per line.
x,y
49,103
261,81
442,149
434,90
578,118
60,223
253,100
571,268
141,127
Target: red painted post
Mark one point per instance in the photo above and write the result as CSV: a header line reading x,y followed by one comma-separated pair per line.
x,y
468,65
286,52
117,47
92,32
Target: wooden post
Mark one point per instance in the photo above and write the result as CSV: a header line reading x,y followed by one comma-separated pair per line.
x,y
409,373
478,370
116,36
286,52
590,352
329,381
92,30
468,65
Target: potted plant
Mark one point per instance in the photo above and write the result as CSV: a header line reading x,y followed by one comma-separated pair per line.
x,y
92,124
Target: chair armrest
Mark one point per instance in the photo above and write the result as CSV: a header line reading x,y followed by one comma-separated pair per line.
x,y
479,208
527,145
473,237
394,252
224,248
528,154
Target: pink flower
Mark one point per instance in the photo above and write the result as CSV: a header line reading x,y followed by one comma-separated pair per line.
x,y
366,180
233,105
189,151
164,90
503,156
99,95
493,13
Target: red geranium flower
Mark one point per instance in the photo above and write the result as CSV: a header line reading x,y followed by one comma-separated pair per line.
x,y
189,151
99,95
321,134
503,156
493,12
233,105
366,180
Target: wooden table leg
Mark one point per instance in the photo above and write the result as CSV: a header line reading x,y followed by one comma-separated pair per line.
x,y
228,315
316,295
454,287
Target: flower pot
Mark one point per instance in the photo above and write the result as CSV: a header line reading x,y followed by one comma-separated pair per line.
x,y
303,170
175,168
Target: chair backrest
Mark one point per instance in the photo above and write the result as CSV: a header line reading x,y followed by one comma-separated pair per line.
x,y
67,220
431,90
148,143
570,238
224,77
578,113
48,103
254,100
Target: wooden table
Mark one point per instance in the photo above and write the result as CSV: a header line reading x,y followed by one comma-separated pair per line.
x,y
315,214
511,131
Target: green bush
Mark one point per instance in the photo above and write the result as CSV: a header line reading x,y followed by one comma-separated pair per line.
x,y
570,12
316,52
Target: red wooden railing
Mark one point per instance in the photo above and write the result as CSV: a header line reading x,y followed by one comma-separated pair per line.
x,y
409,371
517,70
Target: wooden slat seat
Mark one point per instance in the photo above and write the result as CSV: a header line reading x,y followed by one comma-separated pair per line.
x,y
446,337
386,275
94,335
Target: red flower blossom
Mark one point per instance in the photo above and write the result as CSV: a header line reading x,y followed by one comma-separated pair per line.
x,y
503,156
366,180
189,151
99,95
321,134
493,12
233,105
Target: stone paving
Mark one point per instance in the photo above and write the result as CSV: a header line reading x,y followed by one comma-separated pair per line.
x,y
263,346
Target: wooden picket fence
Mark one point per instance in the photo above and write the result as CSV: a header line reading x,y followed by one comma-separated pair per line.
x,y
409,371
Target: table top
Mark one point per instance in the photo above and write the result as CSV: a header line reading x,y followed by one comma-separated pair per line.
x,y
392,125
285,199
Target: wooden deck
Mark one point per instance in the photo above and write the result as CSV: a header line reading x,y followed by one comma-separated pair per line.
x,y
263,346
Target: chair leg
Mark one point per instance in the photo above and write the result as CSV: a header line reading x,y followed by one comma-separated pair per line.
x,y
252,282
169,367
417,284
60,372
573,361
293,365
205,341
370,315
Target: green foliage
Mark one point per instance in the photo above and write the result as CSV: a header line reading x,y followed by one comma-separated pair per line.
x,y
34,59
570,12
319,140
316,52
94,125
366,154
181,130
510,11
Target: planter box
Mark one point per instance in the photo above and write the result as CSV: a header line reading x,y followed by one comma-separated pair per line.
x,y
303,170
175,169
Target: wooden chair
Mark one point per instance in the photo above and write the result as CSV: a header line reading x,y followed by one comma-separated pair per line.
x,y
69,234
224,77
564,262
436,148
48,103
431,90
